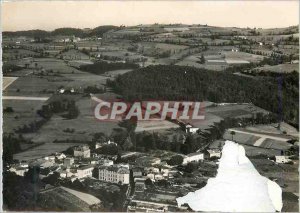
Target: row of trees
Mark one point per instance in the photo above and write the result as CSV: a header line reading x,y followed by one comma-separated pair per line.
x,y
101,67
128,140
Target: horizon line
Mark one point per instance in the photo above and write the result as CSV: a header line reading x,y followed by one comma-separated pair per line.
x,y
207,25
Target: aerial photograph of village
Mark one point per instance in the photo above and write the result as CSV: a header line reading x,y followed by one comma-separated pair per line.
x,y
59,156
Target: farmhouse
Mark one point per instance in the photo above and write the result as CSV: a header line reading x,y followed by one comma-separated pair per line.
x,y
62,39
137,172
282,159
68,162
213,153
98,145
18,170
60,156
193,157
82,151
190,129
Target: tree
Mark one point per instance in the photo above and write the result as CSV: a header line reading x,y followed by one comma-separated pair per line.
x,y
190,167
202,59
52,179
232,134
8,110
148,182
175,160
110,149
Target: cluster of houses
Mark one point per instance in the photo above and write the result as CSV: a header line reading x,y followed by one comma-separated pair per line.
x,y
78,166
84,163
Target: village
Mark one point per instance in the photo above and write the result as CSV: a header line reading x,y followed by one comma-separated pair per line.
x,y
69,160
151,183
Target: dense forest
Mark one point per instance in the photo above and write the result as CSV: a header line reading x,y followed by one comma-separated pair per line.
x,y
276,94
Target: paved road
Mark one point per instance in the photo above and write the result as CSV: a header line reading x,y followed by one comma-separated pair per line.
x,y
24,98
260,135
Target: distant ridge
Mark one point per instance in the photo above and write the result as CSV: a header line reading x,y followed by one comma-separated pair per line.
x,y
66,31
98,31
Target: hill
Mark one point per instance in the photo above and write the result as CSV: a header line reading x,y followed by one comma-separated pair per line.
x,y
66,31
169,82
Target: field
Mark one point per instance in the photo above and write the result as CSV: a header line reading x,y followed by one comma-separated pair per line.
x,y
34,86
193,61
281,68
154,125
56,74
115,73
80,80
43,150
258,139
54,128
56,65
7,81
62,199
272,128
20,94
210,55
287,178
74,55
241,56
214,113
24,113
17,54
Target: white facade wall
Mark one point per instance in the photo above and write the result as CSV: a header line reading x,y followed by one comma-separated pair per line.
x,y
113,176
82,173
82,153
193,158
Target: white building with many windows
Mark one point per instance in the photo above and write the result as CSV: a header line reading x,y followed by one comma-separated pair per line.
x,y
85,171
114,174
